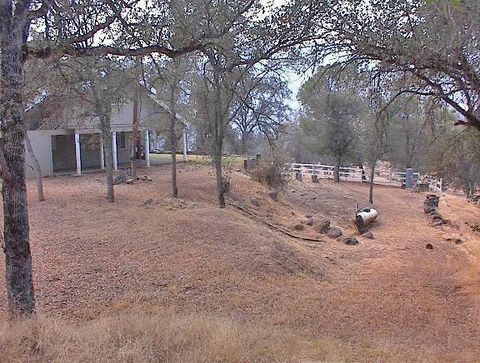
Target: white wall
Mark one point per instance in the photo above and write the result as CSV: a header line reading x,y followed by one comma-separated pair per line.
x,y
42,148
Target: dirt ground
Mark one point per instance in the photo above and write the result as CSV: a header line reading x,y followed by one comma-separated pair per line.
x,y
387,299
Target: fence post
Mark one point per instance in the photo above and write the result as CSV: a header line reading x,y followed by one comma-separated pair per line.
x,y
409,178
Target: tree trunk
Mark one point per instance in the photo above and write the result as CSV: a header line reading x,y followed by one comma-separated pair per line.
x,y
217,159
218,141
36,167
336,173
18,258
244,143
108,152
173,142
135,133
372,178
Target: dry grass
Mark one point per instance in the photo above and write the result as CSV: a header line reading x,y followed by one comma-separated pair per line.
x,y
106,268
137,337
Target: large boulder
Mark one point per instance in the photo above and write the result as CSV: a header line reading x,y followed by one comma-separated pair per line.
x,y
368,235
334,232
351,241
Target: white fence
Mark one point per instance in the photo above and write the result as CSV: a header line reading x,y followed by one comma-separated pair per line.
x,y
357,174
327,171
436,185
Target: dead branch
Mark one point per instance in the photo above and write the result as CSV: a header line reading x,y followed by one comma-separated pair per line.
x,y
272,226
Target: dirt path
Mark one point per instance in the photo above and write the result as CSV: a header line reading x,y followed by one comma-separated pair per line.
x,y
394,290
384,299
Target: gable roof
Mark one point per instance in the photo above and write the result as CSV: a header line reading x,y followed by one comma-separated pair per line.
x,y
61,112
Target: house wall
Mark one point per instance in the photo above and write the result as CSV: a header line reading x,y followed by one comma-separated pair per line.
x,y
152,117
42,148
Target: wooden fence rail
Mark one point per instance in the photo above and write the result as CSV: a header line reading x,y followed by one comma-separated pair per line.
x,y
359,174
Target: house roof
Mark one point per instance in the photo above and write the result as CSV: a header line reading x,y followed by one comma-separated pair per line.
x,y
61,112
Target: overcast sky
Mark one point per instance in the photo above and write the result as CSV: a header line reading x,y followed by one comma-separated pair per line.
x,y
295,81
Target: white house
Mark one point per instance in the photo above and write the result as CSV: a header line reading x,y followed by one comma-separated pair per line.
x,y
67,141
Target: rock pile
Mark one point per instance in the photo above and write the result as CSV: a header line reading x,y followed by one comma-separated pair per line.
x,y
323,226
127,178
430,207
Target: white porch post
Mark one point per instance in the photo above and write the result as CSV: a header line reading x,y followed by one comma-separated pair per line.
x,y
147,148
102,153
114,150
185,151
78,153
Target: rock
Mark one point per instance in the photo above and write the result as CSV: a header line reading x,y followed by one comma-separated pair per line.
x,y
273,194
351,241
435,215
437,223
309,221
429,210
298,227
334,232
322,226
255,201
453,238
315,179
368,235
129,181
148,202
431,203
429,246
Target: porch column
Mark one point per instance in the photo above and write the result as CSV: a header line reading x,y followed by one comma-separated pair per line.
x,y
185,151
102,153
78,153
114,150
147,148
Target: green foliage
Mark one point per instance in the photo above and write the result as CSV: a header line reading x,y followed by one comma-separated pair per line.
x,y
456,158
332,117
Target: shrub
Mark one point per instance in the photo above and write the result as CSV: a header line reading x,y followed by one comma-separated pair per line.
x,y
271,173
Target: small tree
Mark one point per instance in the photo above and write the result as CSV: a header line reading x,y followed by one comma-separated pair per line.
x,y
260,106
455,157
100,83
332,119
171,77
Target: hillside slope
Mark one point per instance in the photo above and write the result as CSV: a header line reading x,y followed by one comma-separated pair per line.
x,y
389,298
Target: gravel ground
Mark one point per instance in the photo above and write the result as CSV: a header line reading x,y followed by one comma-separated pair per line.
x,y
389,298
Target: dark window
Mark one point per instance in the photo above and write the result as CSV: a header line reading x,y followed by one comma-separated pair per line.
x,y
123,140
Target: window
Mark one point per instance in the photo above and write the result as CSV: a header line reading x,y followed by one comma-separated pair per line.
x,y
123,140
54,142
